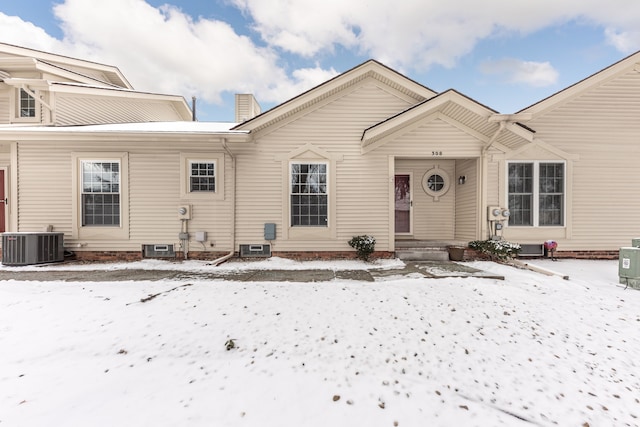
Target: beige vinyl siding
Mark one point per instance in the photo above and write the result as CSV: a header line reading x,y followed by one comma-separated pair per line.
x,y
495,197
44,187
5,108
466,208
89,72
360,193
602,126
434,139
46,195
79,110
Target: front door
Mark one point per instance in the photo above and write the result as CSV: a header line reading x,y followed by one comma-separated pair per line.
x,y
403,204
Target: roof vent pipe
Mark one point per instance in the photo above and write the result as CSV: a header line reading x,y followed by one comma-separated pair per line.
x,y
193,108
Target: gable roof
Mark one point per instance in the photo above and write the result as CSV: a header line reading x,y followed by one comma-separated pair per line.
x,y
70,76
369,69
630,63
459,110
76,69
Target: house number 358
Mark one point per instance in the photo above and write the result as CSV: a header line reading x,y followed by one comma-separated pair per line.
x,y
436,153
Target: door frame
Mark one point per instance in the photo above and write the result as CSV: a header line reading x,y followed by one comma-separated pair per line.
x,y
411,185
5,188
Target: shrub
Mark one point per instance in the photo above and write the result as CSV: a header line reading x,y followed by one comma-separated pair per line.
x,y
500,249
364,245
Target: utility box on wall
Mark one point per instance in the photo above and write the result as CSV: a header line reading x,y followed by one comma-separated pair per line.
x,y
629,267
269,231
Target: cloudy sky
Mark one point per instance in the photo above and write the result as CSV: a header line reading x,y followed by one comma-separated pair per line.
x,y
505,54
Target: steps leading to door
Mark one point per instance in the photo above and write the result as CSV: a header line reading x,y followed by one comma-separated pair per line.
x,y
423,254
424,250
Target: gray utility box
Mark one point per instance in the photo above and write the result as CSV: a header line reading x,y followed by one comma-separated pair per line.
x,y
635,242
32,248
269,231
629,267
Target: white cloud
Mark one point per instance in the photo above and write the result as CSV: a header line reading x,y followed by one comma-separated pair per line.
x,y
538,74
624,41
14,30
420,33
165,50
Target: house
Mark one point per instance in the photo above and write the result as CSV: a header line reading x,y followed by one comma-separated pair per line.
x,y
123,173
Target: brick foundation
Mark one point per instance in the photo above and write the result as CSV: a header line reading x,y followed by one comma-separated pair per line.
x,y
588,254
328,255
469,255
137,256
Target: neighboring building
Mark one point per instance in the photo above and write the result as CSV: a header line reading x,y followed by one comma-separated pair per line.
x,y
368,152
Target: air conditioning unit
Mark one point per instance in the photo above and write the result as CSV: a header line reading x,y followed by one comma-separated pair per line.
x,y
248,251
158,251
184,212
32,248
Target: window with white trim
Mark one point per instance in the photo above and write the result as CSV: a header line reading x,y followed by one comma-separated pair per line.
x,y
536,193
100,193
309,194
26,105
202,176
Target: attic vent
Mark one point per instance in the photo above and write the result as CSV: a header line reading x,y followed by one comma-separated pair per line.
x,y
247,251
158,251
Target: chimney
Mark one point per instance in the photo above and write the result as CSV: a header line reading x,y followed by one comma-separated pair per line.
x,y
246,107
193,108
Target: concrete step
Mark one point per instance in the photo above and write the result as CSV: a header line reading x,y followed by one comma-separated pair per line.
x,y
423,254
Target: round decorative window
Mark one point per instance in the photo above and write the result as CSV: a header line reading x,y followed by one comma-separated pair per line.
x,y
436,183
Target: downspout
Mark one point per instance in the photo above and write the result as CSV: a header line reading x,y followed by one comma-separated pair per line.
x,y
231,253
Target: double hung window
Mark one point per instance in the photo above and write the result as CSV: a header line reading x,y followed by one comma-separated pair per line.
x,y
27,105
202,176
536,193
100,193
309,194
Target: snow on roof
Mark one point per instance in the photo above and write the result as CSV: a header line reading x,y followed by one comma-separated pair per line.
x,y
164,127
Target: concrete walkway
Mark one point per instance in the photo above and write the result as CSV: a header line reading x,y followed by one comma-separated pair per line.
x,y
412,269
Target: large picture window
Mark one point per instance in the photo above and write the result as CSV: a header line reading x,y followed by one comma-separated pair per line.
x,y
309,196
536,193
100,193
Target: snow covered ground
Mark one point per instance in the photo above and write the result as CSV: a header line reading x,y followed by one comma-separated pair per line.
x,y
532,349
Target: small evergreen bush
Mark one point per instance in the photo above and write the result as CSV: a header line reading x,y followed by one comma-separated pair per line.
x,y
364,245
500,249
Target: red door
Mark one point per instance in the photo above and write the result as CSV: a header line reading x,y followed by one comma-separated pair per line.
x,y
403,204
2,202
